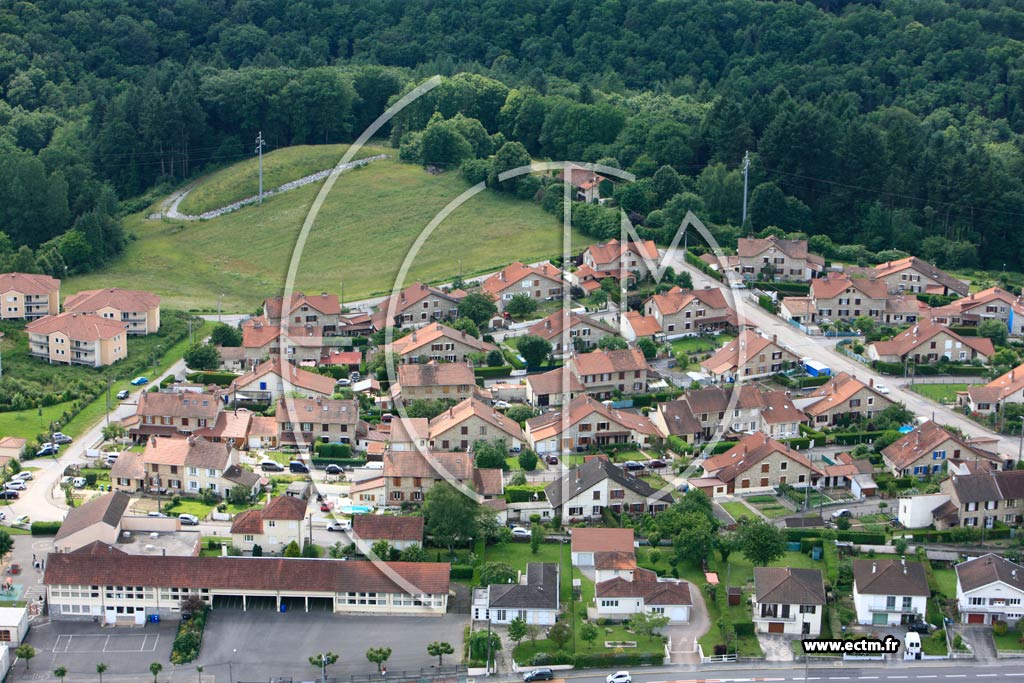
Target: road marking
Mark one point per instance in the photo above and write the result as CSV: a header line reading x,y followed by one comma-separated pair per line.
x,y
897,676
865,678
985,675
955,676
926,676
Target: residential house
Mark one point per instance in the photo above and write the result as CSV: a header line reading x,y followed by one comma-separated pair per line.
x,y
187,465
11,448
587,424
925,451
167,413
760,463
539,282
619,598
302,422
418,305
271,527
262,432
990,588
275,378
780,418
534,599
406,434
400,532
614,257
927,342
82,585
232,427
469,421
989,304
610,552
98,519
687,313
982,499
841,400
703,414
749,356
994,396
584,492
77,339
779,259
607,373
232,358
408,475
553,388
319,311
128,473
372,492
236,475
138,310
439,343
28,296
585,183
889,592
433,380
788,600
640,326
916,276
845,471
584,332
307,344
840,297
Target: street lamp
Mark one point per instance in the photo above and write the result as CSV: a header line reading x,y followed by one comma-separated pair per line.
x,y
803,628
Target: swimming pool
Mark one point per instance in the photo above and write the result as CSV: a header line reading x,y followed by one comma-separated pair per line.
x,y
354,509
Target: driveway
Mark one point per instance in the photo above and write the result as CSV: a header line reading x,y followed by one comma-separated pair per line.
x,y
684,636
980,639
264,644
776,647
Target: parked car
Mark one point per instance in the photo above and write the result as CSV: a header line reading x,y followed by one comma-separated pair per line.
x,y
334,469
339,525
8,494
520,532
271,466
79,482
326,506
656,464
24,475
922,627
155,514
139,381
841,513
15,485
188,520
123,394
501,405
619,677
551,459
538,675
881,388
343,382
60,437
354,376
47,449
298,467
387,417
632,465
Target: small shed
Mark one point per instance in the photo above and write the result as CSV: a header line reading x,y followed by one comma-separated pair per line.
x,y
298,489
735,593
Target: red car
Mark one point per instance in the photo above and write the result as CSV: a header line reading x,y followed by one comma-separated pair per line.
x,y
325,506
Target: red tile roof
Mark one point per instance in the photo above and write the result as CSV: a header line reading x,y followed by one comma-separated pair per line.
x,y
28,283
328,304
919,334
511,275
591,540
291,375
91,300
77,326
388,527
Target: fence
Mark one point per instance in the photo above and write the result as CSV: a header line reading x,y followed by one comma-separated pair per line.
x,y
442,674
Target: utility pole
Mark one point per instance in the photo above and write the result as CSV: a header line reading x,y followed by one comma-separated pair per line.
x,y
342,302
746,170
260,144
323,668
108,401
220,300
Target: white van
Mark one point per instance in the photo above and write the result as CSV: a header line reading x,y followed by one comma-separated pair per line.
x,y
79,482
912,645
375,465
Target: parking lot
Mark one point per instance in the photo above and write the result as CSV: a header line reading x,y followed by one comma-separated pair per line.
x,y
80,646
263,643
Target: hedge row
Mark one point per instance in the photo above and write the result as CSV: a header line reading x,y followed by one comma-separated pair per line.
x,y
784,288
948,535
524,493
610,660
492,372
332,450
695,261
852,438
928,370
462,571
817,438
964,330
648,400
800,443
221,379
45,528
767,303
858,537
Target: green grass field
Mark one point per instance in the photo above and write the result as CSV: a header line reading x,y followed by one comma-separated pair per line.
x,y
941,393
365,229
946,579
738,509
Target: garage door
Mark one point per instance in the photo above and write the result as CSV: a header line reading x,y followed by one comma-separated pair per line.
x,y
879,619
776,627
975,618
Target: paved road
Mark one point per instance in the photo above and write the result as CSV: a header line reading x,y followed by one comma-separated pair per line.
x,y
804,345
932,671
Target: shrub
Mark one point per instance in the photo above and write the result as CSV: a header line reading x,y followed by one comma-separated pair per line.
x,y
333,450
186,644
45,528
221,379
1000,627
462,571
523,494
540,659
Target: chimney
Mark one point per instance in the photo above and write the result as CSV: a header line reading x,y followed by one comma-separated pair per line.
x,y
871,381
775,338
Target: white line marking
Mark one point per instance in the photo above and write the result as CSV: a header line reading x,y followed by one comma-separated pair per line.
x,y
985,675
955,676
926,676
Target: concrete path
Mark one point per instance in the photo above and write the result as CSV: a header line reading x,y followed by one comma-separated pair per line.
x,y
685,636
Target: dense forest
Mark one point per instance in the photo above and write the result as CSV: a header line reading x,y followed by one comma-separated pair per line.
x,y
885,125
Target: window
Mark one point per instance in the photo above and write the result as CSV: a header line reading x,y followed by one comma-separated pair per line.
x,y
576,511
890,602
597,495
248,538
808,609
908,604
5,635
609,603
501,615
978,602
657,610
617,494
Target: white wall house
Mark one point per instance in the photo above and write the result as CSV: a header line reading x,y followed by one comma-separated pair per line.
x,y
788,600
889,592
619,598
534,599
915,512
990,588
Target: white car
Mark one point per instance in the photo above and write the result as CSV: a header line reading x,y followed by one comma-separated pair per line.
x,y
188,520
24,475
15,485
501,405
881,388
340,525
619,677
520,532
61,438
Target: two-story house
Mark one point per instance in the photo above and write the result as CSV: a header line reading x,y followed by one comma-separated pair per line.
x,y
27,296
469,421
586,423
840,297
271,527
585,183
77,339
994,396
607,373
749,356
437,342
609,553
539,282
927,342
788,600
420,304
275,378
780,418
925,451
319,311
843,398
408,475
534,599
553,388
584,492
167,413
138,310
686,313
302,422
613,257
702,414
758,463
433,381
584,332
989,304
990,588
889,592
916,276
775,258
187,465
981,499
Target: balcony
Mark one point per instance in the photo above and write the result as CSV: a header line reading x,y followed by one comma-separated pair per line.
x,y
894,610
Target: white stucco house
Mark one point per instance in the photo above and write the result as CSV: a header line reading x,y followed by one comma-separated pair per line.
x,y
788,600
534,599
990,588
889,592
619,599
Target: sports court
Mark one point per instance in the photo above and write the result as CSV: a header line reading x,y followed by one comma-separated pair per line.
x,y
119,643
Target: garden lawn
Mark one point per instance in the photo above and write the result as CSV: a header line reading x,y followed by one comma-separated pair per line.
x,y
946,580
1009,641
513,462
738,509
941,393
935,644
699,344
192,507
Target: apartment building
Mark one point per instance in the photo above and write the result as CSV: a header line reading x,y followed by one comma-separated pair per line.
x,y
303,422
77,339
28,296
776,258
138,310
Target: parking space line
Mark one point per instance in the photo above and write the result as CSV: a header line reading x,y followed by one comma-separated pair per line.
x,y
67,643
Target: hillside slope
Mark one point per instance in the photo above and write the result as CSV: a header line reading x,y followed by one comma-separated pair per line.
x,y
364,230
